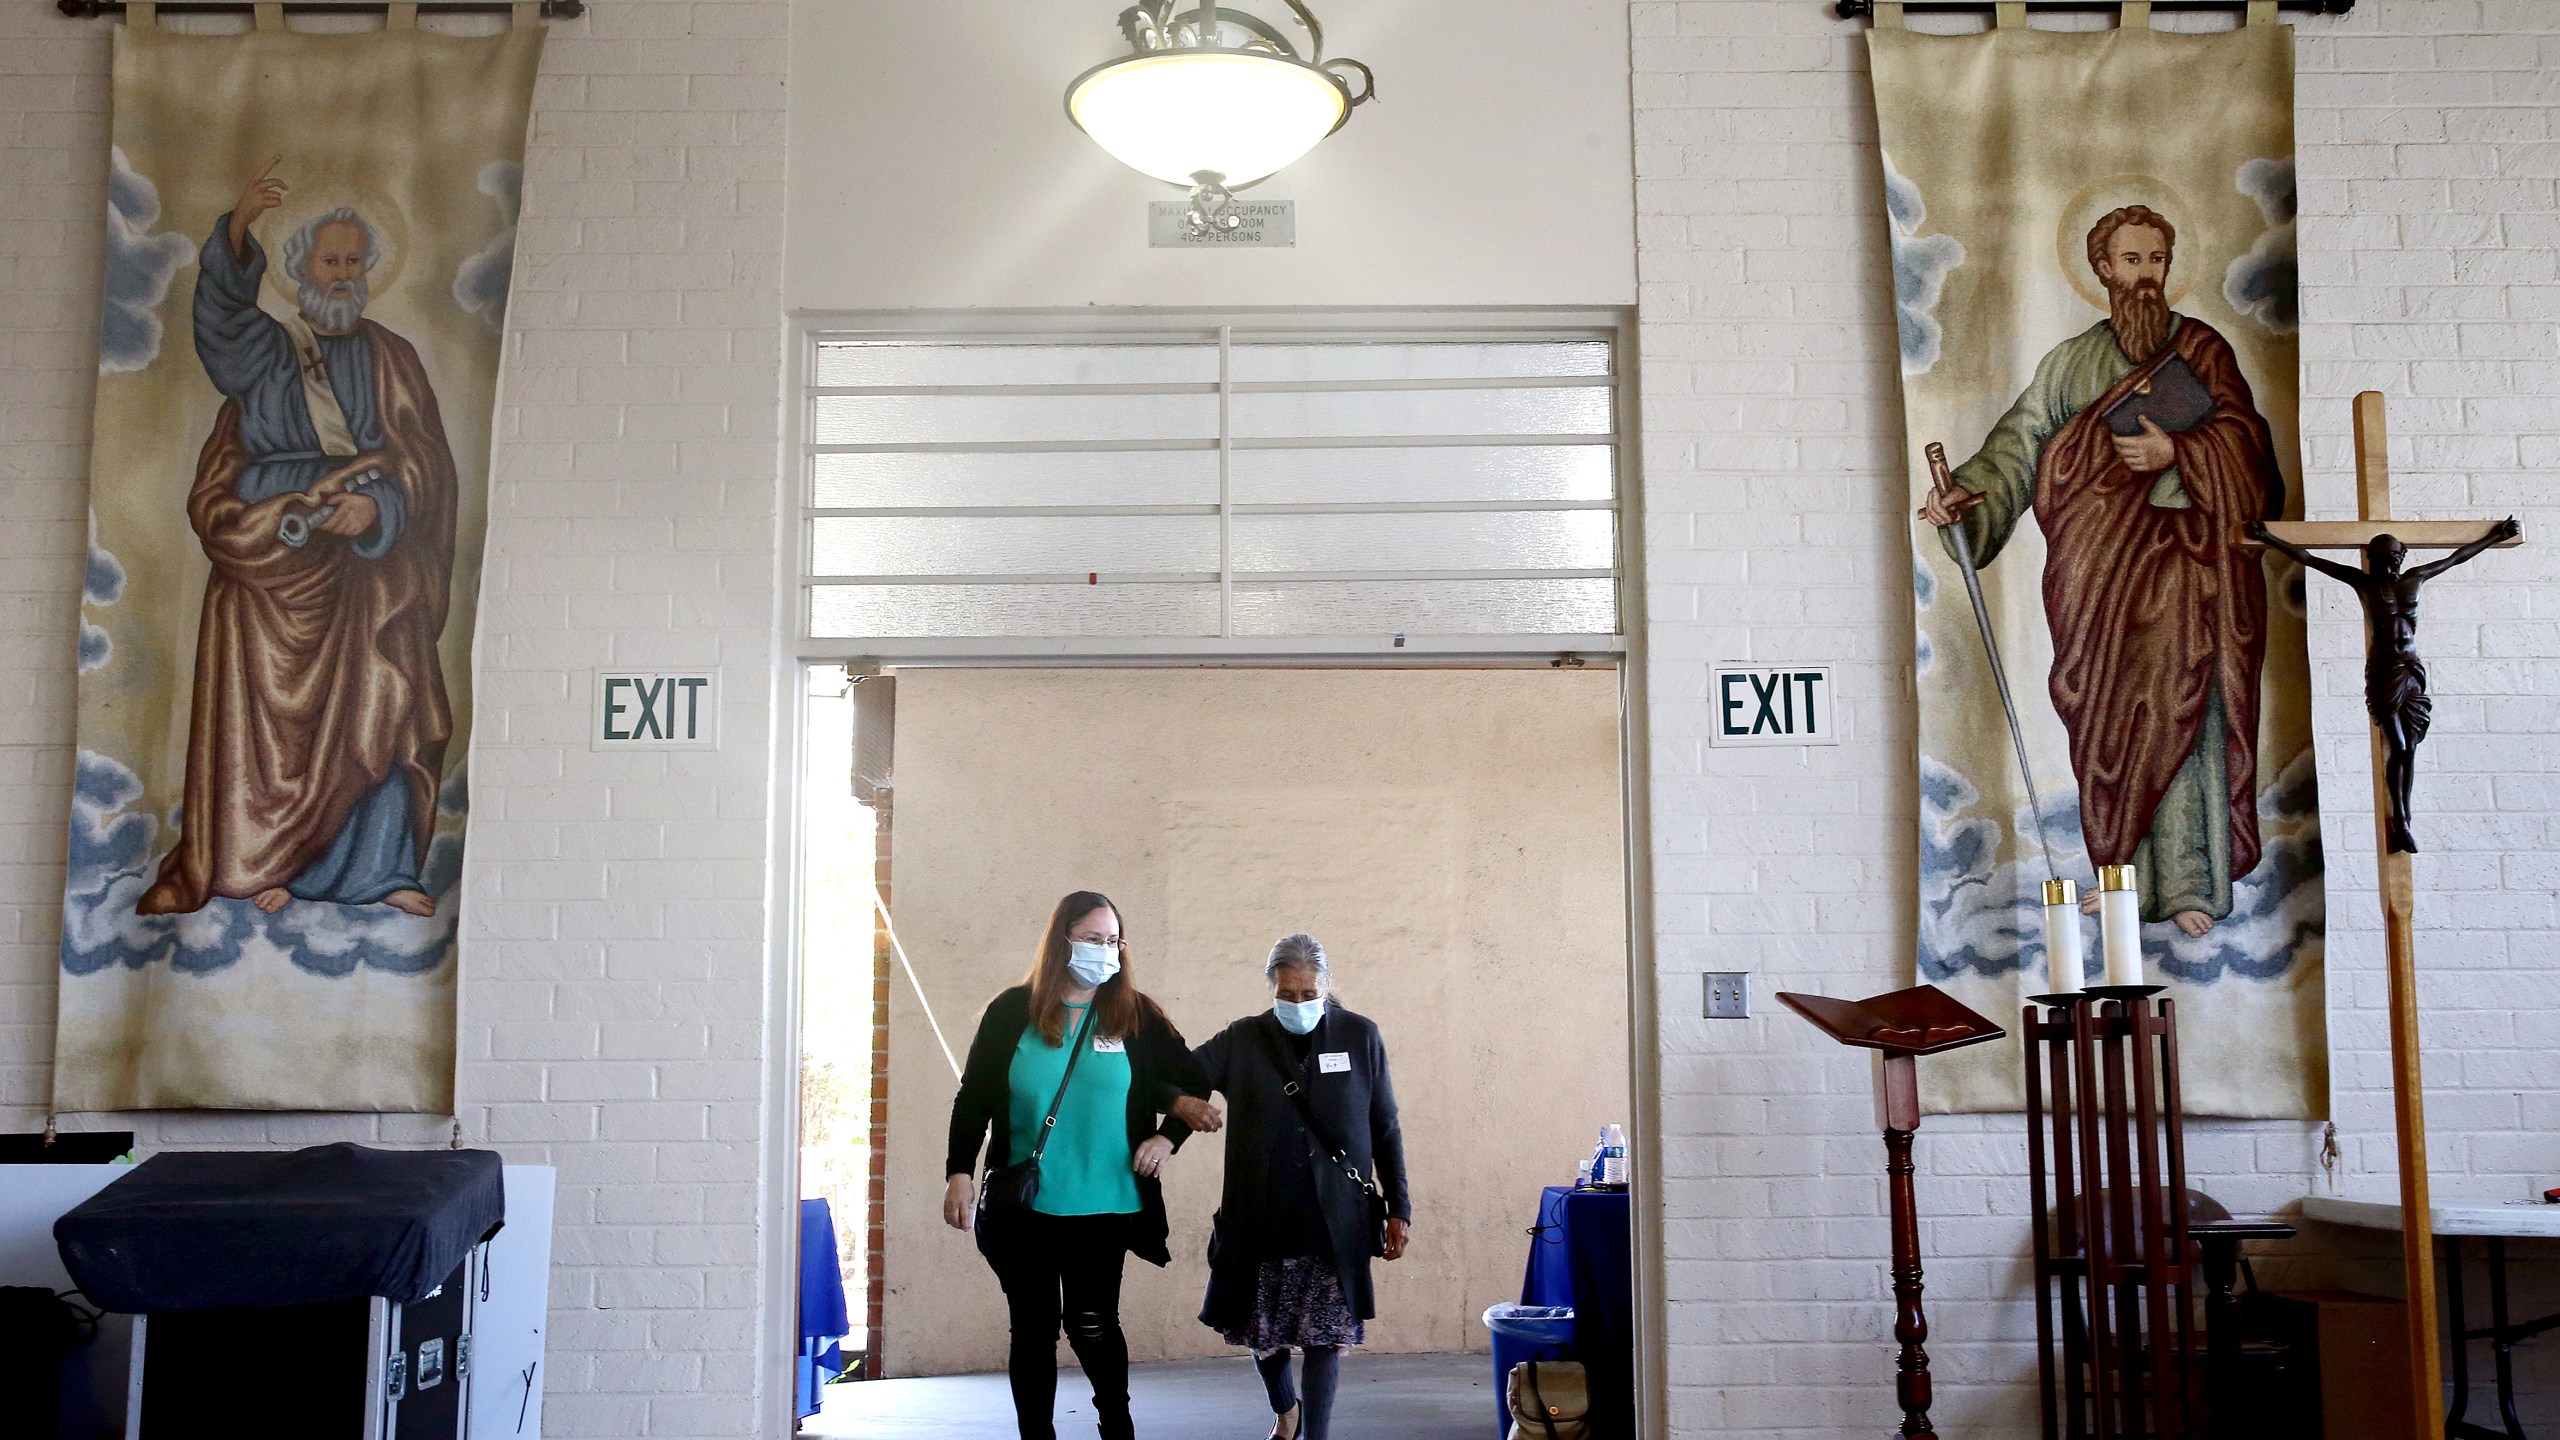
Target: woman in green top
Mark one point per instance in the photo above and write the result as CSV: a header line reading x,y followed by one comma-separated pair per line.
x,y
1099,1201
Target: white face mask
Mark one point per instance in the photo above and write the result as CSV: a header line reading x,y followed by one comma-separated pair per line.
x,y
1298,1016
1091,964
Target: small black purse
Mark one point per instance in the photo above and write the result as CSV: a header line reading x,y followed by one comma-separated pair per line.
x,y
1292,1086
1008,1192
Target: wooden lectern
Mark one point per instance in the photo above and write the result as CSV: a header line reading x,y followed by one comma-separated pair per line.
x,y
1901,1027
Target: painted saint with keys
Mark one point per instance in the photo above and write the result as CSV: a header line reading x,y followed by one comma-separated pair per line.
x,y
325,500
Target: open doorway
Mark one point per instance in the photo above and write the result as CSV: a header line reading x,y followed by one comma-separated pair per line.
x,y
1455,838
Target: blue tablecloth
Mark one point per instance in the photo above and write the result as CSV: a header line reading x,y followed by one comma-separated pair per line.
x,y
1582,1254
823,1319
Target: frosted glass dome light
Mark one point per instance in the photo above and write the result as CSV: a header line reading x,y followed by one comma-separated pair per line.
x,y
1214,99
1235,116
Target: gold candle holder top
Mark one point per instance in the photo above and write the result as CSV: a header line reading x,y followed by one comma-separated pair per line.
x,y
2117,877
2062,892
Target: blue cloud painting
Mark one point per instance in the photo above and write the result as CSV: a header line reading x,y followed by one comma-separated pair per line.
x,y
114,858
2265,284
102,583
1921,264
480,286
140,266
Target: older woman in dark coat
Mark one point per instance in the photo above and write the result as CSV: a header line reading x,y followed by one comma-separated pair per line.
x,y
1289,1254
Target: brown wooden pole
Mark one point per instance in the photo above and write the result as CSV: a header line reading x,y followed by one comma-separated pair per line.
x,y
2400,944
1899,1076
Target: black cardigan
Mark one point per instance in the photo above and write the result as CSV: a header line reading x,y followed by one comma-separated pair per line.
x,y
1357,1104
1160,1069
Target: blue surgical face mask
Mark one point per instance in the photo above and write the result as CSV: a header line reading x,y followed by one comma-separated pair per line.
x,y
1298,1016
1091,964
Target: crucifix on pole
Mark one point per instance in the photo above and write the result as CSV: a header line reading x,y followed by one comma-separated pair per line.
x,y
2396,702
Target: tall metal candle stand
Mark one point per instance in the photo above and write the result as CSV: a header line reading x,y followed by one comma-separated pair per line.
x,y
2106,1150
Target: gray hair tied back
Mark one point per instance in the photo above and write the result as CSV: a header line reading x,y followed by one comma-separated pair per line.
x,y
1304,952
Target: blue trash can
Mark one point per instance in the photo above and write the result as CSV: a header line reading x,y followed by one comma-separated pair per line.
x,y
1524,1332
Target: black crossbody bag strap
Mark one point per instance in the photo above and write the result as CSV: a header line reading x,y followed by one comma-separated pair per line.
x,y
1049,1126
1293,1086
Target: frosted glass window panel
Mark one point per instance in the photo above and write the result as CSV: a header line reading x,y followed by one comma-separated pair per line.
x,y
1535,410
1439,360
1462,540
880,363
908,612
1429,607
1418,475
1014,545
959,419
1014,479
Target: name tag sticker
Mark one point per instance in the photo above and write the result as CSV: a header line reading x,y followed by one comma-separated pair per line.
x,y
1334,1062
1105,1045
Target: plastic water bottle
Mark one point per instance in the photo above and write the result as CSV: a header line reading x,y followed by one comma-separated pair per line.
x,y
1613,1158
1599,1160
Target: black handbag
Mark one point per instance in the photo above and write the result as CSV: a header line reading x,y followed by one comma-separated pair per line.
x,y
1293,1086
1008,1192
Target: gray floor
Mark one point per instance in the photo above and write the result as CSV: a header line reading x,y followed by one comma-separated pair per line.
x,y
1383,1397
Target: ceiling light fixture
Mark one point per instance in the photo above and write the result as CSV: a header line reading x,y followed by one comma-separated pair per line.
x,y
1214,99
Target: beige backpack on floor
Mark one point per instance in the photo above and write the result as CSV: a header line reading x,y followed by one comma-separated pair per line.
x,y
1550,1401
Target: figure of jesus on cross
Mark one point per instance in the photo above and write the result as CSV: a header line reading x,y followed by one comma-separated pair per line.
x,y
2396,699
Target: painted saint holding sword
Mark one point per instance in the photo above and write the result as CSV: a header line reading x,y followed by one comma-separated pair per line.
x,y
2139,447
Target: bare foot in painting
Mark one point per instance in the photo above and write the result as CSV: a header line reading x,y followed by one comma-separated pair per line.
x,y
411,901
2089,903
273,899
2194,922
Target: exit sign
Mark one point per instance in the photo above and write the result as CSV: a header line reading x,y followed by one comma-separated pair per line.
x,y
1771,705
656,710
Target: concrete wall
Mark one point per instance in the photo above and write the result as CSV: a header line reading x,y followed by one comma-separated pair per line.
x,y
933,165
1452,837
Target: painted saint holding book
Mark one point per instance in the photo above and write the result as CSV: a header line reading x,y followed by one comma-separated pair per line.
x,y
2140,449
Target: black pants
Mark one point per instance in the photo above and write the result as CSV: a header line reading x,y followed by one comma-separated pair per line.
x,y
1065,1270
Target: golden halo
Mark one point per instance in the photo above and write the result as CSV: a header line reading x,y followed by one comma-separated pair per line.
x,y
2071,240
390,231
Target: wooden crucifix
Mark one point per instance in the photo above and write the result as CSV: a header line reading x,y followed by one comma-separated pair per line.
x,y
2396,703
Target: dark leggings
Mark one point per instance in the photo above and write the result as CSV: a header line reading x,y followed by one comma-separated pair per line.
x,y
1065,1269
1324,1369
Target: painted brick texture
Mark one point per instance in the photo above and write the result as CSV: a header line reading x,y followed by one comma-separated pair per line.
x,y
1776,531
613,1006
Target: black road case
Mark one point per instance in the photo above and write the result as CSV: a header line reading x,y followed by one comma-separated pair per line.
x,y
324,1293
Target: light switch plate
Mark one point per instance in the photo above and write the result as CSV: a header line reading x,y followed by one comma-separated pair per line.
x,y
1729,995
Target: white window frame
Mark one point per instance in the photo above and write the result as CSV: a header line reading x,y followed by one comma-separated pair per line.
x,y
1616,328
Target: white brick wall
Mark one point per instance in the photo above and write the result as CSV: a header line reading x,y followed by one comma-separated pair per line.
x,y
2431,241
612,1019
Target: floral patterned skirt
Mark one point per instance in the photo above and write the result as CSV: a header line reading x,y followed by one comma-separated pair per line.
x,y
1298,1302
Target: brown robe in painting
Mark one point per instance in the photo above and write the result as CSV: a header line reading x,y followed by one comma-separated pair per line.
x,y
317,675
2156,610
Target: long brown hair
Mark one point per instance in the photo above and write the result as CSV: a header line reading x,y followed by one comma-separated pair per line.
x,y
1117,1006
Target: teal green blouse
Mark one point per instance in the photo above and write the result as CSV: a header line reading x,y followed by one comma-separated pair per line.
x,y
1085,1170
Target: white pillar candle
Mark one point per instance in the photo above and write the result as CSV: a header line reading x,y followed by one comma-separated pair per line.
x,y
2062,938
2120,923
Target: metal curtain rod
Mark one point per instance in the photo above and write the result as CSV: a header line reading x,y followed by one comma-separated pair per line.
x,y
92,9
1866,9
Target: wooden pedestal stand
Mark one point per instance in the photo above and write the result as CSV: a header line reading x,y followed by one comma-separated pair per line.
x,y
2373,490
2106,1153
1901,1027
